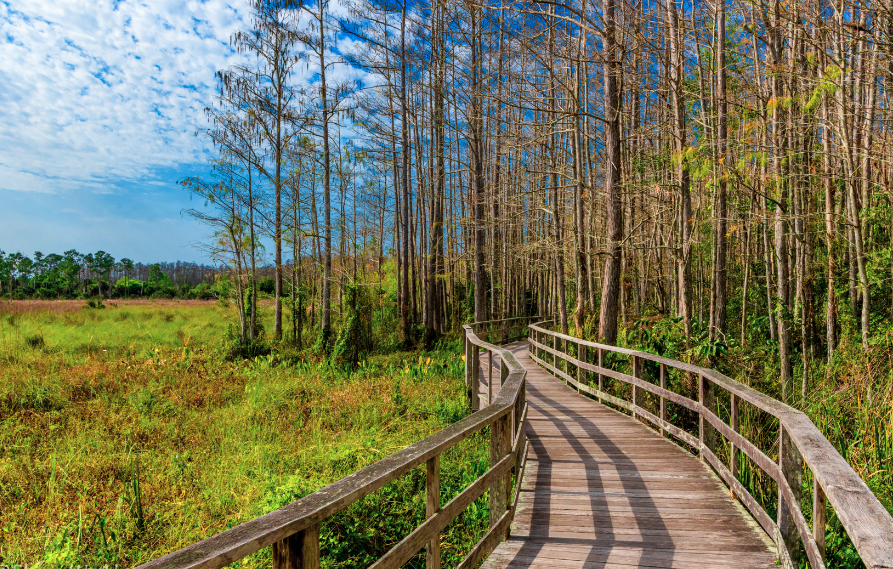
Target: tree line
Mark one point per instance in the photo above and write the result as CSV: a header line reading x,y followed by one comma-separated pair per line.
x,y
77,275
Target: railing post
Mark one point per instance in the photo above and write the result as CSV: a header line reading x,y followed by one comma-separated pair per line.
x,y
540,353
818,515
581,372
298,551
707,402
663,401
432,506
791,465
490,378
467,357
637,393
733,423
499,447
701,415
475,378
565,352
600,364
513,424
532,335
538,337
554,353
503,373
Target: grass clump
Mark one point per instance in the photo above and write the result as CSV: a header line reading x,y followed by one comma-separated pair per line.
x,y
35,341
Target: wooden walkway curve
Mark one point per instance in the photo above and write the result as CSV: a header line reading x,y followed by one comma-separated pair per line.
x,y
577,484
603,490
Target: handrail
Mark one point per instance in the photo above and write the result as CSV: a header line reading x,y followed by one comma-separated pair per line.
x,y
293,530
868,524
472,356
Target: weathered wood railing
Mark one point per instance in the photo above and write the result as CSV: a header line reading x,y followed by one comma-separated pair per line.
x,y
496,331
293,531
868,524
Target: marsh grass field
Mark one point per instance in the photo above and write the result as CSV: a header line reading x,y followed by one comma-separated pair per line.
x,y
126,434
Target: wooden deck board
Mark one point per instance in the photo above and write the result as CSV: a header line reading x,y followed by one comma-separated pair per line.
x,y
603,490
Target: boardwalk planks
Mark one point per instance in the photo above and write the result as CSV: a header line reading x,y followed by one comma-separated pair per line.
x,y
603,490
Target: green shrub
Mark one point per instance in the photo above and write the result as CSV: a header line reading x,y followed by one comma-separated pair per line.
x,y
266,285
355,341
233,348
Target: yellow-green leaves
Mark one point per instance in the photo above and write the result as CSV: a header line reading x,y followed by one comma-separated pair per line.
x,y
827,86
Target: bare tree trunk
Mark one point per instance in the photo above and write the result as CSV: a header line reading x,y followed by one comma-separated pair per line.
x,y
611,283
830,239
683,279
582,273
477,155
718,320
404,176
325,309
435,302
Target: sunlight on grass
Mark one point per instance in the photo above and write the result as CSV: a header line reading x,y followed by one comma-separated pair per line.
x,y
126,435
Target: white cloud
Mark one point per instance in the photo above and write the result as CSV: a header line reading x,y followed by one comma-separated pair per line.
x,y
100,94
99,91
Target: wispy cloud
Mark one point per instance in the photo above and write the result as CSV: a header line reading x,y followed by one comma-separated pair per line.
x,y
100,91
101,100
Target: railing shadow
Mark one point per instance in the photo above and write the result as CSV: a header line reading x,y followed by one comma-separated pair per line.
x,y
658,548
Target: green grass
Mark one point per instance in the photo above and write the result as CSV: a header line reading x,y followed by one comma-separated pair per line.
x,y
124,435
128,330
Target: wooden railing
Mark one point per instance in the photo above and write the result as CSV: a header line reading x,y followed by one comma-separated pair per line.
x,y
293,531
496,331
866,521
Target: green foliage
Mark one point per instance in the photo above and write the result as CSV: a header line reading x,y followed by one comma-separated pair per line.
x,y
323,343
266,285
665,336
399,402
385,322
448,412
233,348
204,291
30,395
355,341
827,87
56,276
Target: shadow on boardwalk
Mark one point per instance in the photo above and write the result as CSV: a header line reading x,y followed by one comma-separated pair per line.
x,y
603,490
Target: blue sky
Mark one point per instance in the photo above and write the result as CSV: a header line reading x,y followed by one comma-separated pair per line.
x,y
101,101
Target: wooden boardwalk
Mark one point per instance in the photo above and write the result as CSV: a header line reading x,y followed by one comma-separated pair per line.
x,y
603,490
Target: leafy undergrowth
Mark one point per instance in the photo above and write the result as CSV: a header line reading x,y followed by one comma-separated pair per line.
x,y
124,435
